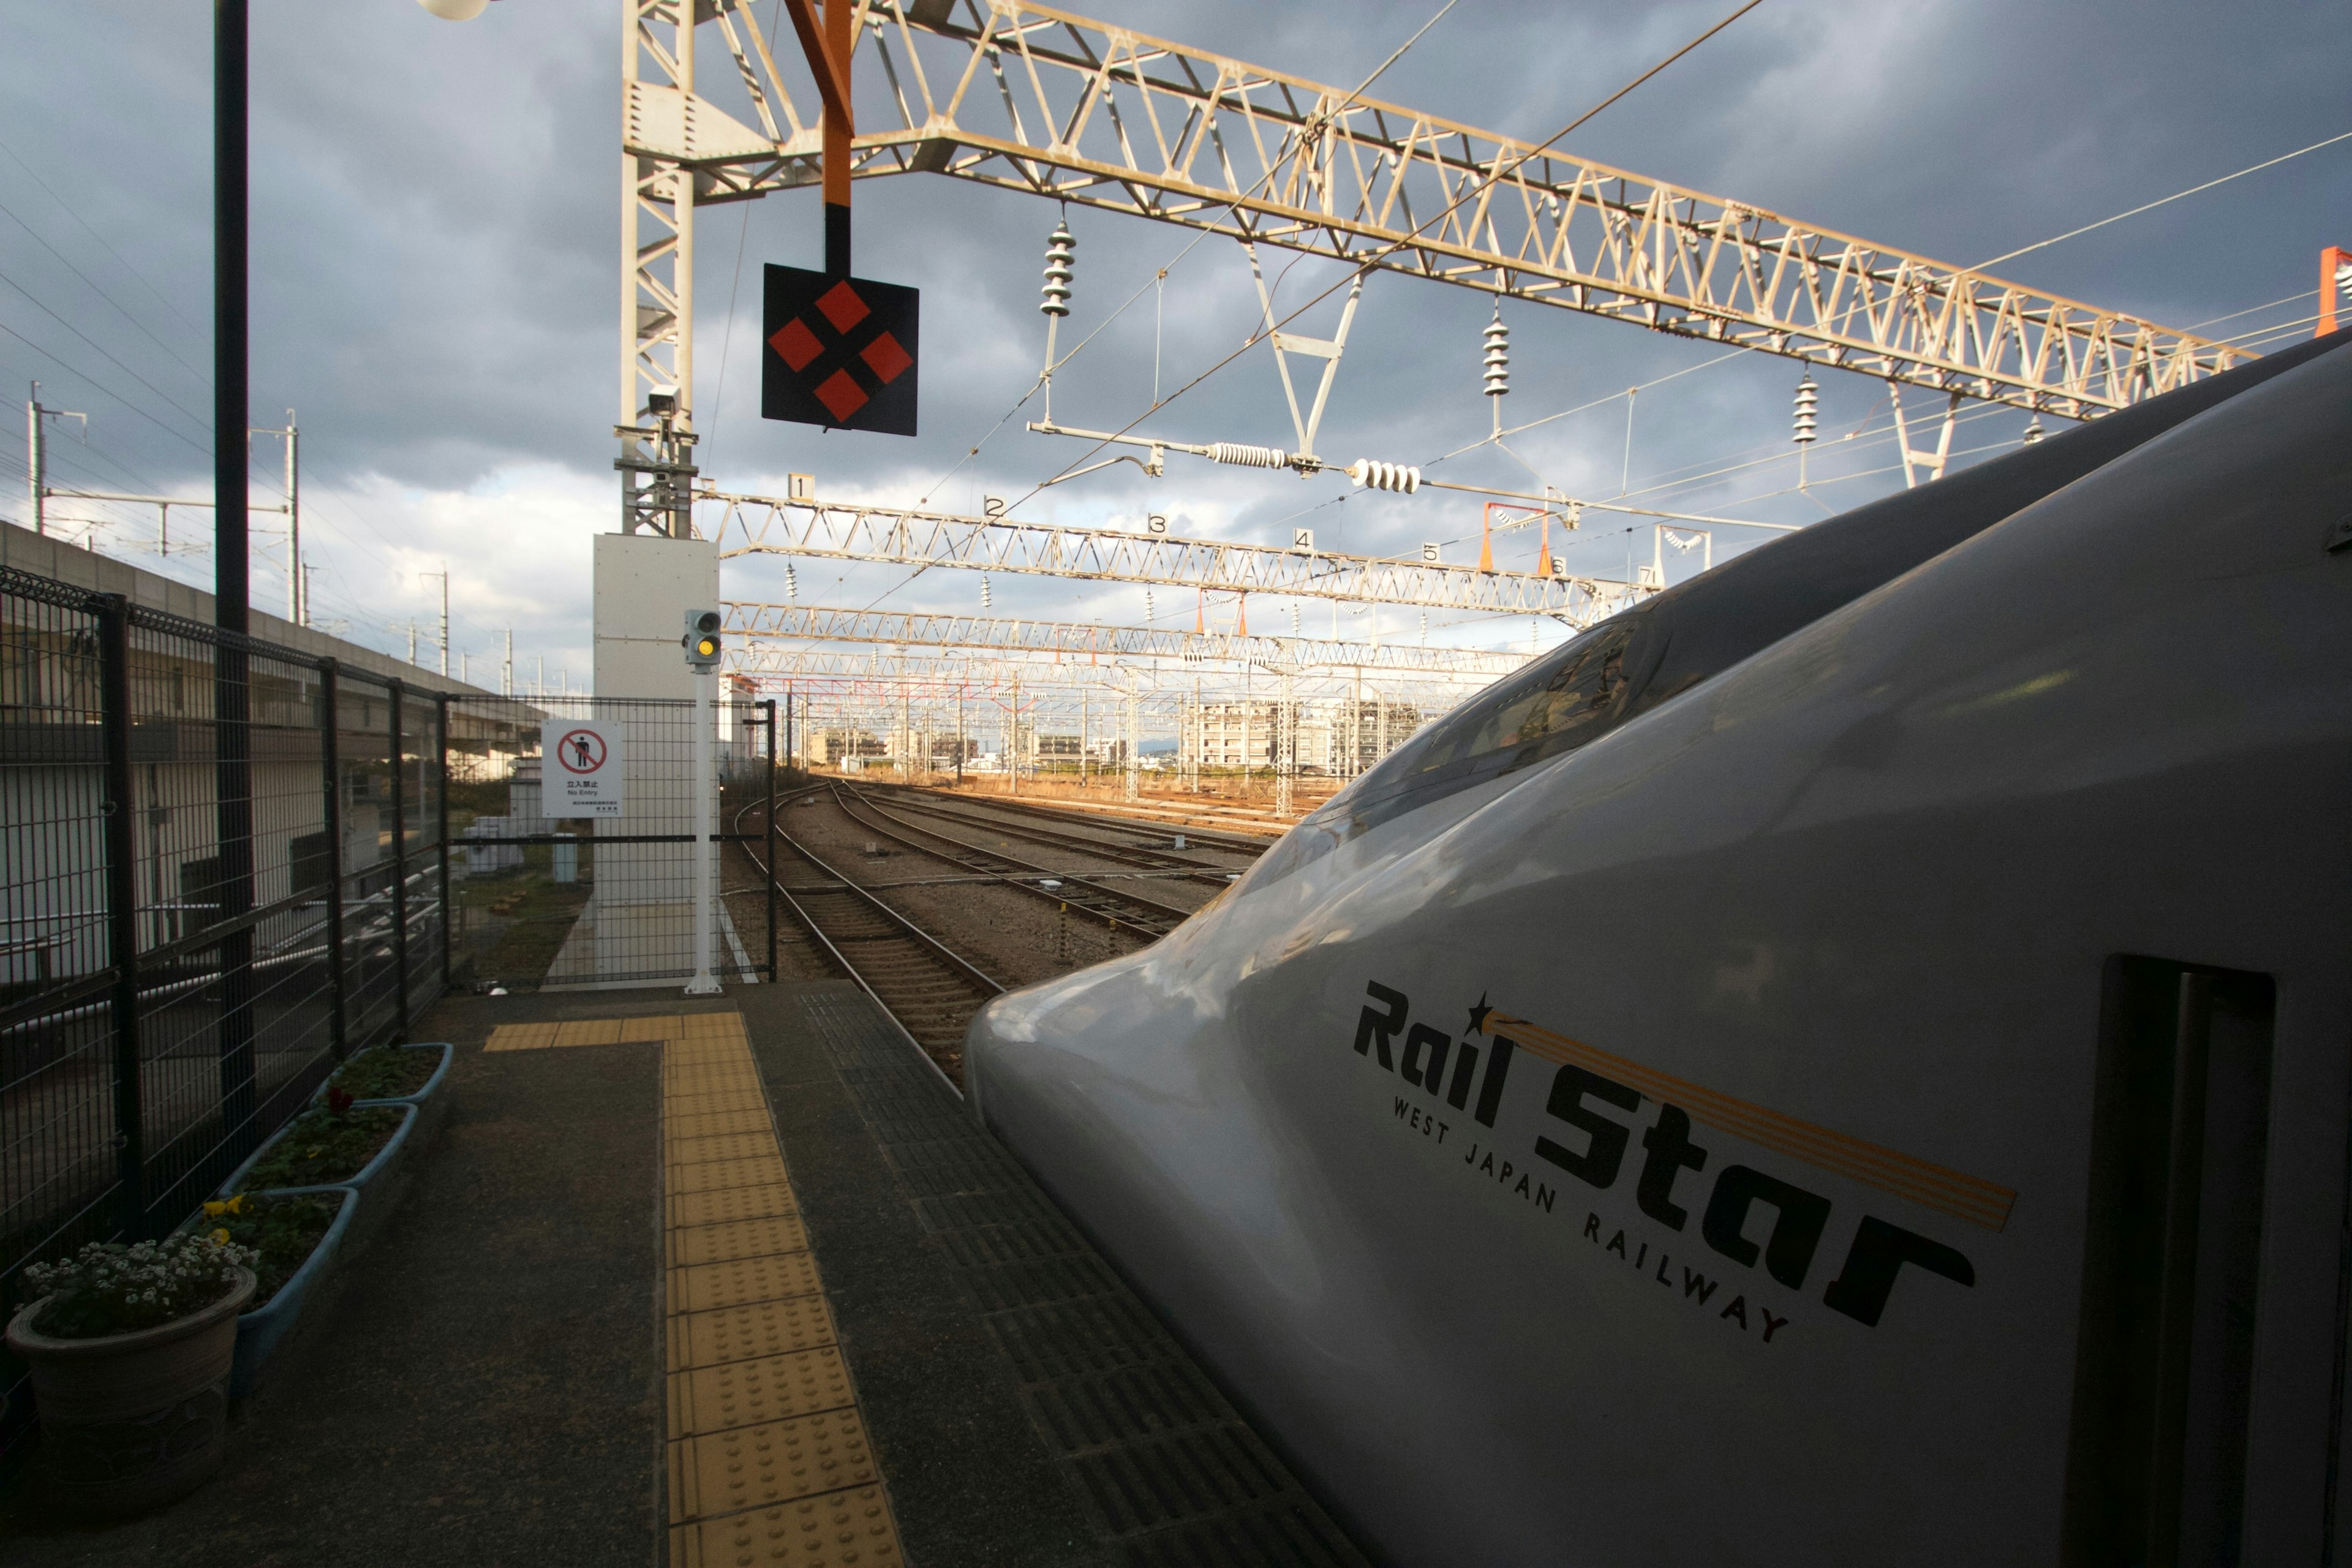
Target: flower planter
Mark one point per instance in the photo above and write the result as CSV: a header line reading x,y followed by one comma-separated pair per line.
x,y
431,1098
378,1183
264,1329
131,1421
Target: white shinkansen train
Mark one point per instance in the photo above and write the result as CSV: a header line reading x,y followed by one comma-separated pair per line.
x,y
1847,1062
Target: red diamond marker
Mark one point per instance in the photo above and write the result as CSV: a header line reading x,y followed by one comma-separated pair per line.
x,y
796,344
841,306
887,359
841,395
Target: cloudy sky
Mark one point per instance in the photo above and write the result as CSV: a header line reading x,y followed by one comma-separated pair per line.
x,y
435,254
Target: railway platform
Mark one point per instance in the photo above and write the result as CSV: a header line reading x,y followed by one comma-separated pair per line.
x,y
732,1281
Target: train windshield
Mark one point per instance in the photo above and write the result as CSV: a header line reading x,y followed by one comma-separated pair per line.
x,y
1571,697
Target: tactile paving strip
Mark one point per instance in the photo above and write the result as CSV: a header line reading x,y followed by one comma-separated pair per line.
x,y
708,1286
756,1466
755,1329
766,1388
736,1238
840,1530
768,1460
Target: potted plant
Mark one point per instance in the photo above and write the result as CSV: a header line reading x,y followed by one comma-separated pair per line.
x,y
416,1075
338,1143
129,1349
295,1237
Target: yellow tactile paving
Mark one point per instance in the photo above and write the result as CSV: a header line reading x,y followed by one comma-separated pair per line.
x,y
687,1151
708,1103
759,1466
840,1530
696,1082
716,1175
718,1123
728,1204
768,1458
521,1038
739,1333
746,1392
735,1238
706,1287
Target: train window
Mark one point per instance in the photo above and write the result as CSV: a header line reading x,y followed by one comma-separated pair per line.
x,y
2156,1457
1560,706
1574,695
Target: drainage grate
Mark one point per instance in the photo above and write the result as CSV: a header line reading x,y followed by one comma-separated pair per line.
x,y
1170,1474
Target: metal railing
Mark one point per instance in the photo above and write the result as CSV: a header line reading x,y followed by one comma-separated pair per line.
x,y
226,866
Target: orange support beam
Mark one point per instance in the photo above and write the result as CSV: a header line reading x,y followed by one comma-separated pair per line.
x,y
2334,272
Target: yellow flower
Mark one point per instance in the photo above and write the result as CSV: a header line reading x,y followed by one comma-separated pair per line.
x,y
236,1204
215,1210
220,1238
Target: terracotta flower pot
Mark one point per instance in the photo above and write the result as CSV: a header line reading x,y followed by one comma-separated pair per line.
x,y
130,1421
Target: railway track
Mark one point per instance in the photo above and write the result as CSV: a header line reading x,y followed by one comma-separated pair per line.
x,y
1208,825
1031,825
1117,908
928,990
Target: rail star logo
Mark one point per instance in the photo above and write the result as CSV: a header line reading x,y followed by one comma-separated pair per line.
x,y
1592,1110
841,352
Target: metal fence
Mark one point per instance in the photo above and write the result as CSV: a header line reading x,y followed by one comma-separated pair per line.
x,y
226,864
546,902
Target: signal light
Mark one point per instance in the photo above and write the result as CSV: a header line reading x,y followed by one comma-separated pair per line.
x,y
701,641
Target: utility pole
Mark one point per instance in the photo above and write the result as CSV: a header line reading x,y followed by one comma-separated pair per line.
x,y
36,454
295,607
506,670
444,575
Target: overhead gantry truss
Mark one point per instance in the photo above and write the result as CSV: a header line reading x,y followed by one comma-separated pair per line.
x,y
1077,641
1030,98
899,536
942,677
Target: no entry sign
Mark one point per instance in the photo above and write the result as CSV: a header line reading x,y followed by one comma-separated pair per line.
x,y
579,768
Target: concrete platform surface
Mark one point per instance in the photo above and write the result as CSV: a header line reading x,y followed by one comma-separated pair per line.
x,y
500,1380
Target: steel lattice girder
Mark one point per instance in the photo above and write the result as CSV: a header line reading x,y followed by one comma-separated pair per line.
x,y
1044,101
1004,635
765,525
940,677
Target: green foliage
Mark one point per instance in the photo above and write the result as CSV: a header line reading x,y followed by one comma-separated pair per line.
x,y
282,1232
320,1147
385,1072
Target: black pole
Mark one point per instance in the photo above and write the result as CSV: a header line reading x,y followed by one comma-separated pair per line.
x,y
399,872
331,765
771,829
233,808
122,914
231,594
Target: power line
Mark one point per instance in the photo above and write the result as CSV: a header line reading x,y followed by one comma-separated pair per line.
x,y
70,212
71,369
94,288
2151,206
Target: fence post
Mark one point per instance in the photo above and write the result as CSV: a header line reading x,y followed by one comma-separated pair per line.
x,y
233,885
441,828
771,832
399,874
122,910
330,765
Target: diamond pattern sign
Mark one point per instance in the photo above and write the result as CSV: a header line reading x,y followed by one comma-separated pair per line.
x,y
840,351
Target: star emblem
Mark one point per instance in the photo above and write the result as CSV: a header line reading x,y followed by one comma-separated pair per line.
x,y
1478,1015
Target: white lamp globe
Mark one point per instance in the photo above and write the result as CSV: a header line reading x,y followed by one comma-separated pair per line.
x,y
455,10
